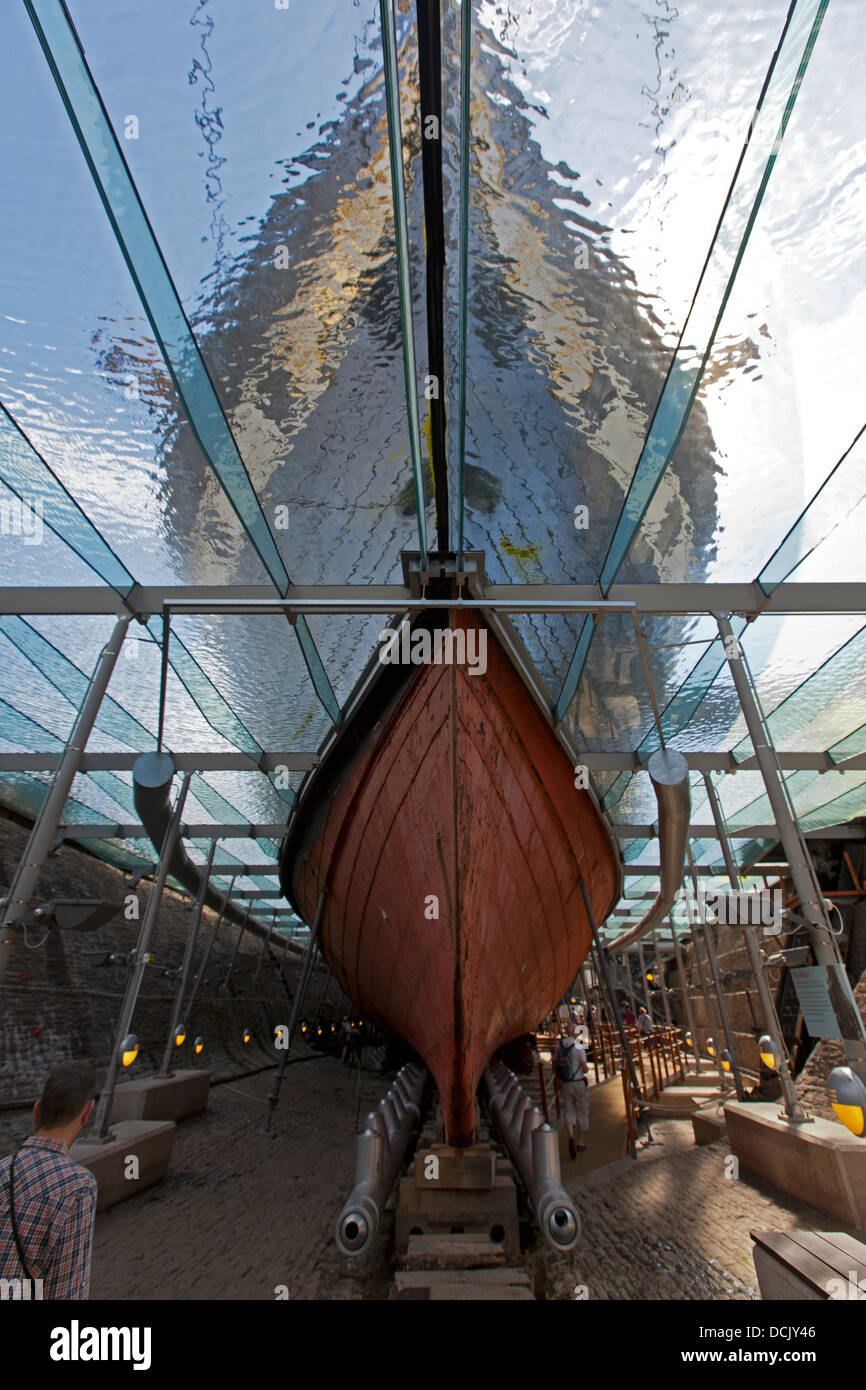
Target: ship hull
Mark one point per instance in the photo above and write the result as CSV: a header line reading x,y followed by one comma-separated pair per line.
x,y
451,841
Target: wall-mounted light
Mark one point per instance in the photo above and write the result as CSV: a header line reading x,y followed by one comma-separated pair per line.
x,y
199,1046
129,1050
247,1035
180,1035
848,1099
769,1052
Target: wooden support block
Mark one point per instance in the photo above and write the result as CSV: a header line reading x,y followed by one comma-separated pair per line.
x,y
472,1250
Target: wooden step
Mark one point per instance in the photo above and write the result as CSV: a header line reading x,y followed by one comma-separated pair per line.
x,y
510,1285
470,1250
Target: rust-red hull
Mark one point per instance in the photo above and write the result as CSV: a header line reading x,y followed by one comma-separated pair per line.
x,y
452,844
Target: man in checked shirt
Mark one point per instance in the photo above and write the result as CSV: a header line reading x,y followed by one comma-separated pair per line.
x,y
54,1199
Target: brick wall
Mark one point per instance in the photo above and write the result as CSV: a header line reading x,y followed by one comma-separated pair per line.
x,y
55,1005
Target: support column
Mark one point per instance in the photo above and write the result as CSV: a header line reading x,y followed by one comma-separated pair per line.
x,y
793,1109
723,1010
661,974
225,984
602,964
802,870
303,981
213,936
189,952
103,1109
646,993
24,883
687,998
704,991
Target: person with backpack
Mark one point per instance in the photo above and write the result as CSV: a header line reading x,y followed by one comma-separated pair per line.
x,y
570,1069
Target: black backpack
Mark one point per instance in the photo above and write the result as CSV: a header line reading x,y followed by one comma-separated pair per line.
x,y
566,1063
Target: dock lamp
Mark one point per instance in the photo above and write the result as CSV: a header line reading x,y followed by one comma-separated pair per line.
x,y
247,1035
769,1053
711,1048
848,1099
129,1050
199,1046
726,1060
180,1035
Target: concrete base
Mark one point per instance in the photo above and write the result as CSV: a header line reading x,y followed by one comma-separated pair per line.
x,y
820,1163
708,1128
685,1098
472,1169
176,1097
432,1211
117,1178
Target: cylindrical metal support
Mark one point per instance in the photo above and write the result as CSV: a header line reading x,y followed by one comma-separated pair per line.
x,y
534,1150
662,981
379,1153
26,877
558,1220
103,1109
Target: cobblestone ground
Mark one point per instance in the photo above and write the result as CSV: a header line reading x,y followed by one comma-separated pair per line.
x,y
242,1213
672,1225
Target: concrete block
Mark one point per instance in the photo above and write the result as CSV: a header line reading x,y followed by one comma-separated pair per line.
x,y
820,1163
444,1211
708,1128
686,1098
149,1142
176,1097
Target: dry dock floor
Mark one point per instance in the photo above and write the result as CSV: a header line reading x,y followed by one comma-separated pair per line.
x,y
242,1214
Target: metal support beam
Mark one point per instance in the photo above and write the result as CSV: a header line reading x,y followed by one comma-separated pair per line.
x,y
801,761
189,952
802,870
659,970
793,1109
103,1109
617,1017
42,835
730,1041
665,600
687,1000
300,991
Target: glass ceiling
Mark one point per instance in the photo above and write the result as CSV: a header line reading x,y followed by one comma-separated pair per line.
x,y
201,372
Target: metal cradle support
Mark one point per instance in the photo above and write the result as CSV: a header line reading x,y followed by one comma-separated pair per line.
x,y
379,1153
533,1147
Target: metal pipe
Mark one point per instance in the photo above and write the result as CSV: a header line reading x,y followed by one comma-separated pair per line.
x,y
26,877
378,1156
669,774
793,1109
534,1150
192,937
803,874
133,986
